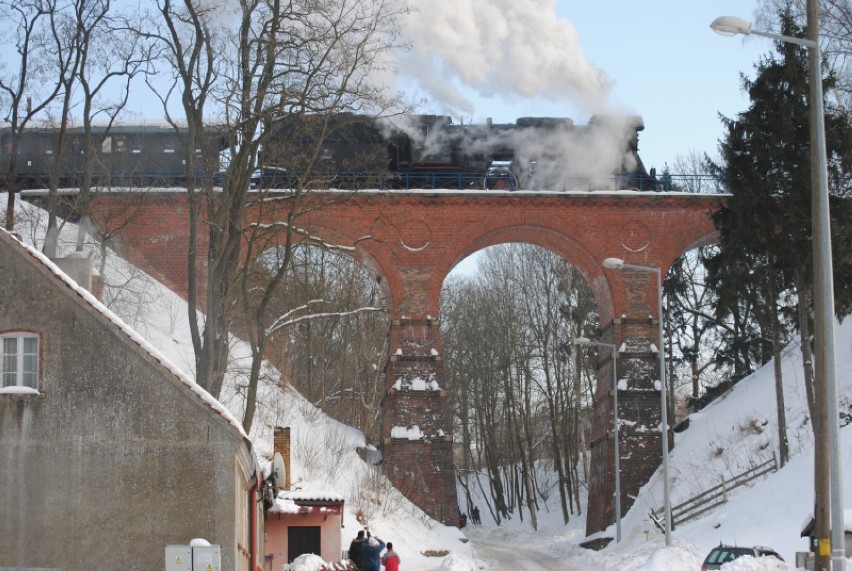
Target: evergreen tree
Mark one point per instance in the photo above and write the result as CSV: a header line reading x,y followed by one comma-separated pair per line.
x,y
765,258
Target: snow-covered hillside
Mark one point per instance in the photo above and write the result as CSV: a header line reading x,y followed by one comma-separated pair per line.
x,y
730,435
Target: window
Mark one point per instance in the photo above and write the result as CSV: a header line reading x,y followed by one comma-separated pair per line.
x,y
20,360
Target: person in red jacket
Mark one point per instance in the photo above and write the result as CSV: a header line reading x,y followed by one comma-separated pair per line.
x,y
390,559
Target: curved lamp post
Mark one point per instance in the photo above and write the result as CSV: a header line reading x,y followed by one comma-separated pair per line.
x,y
618,264
584,342
823,271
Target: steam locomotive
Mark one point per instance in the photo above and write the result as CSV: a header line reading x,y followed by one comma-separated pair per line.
x,y
356,151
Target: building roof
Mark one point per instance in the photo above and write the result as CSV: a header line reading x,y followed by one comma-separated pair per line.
x,y
87,299
316,495
308,501
809,524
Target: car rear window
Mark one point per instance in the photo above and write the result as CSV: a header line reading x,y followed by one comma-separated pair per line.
x,y
724,554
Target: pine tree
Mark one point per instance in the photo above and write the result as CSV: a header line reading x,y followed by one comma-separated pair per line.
x,y
765,257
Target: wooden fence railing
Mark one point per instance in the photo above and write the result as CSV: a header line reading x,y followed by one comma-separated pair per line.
x,y
713,497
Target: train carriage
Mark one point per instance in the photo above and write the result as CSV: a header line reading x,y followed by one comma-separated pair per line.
x,y
121,155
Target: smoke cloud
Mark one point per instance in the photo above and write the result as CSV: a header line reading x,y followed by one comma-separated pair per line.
x,y
545,153
505,48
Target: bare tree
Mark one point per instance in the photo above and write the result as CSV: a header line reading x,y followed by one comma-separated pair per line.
x,y
31,86
319,309
65,38
98,54
110,56
691,323
507,336
249,66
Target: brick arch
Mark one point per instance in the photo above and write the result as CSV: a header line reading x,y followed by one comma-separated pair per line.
x,y
706,240
413,239
551,240
344,243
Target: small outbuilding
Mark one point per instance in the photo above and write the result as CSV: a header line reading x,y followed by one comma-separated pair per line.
x,y
299,521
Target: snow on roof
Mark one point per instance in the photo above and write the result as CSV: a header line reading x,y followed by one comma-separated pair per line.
x,y
135,337
808,524
310,495
292,502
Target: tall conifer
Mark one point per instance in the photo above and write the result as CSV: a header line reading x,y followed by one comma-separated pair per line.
x,y
765,257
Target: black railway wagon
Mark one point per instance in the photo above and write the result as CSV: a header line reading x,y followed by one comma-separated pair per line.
x,y
122,155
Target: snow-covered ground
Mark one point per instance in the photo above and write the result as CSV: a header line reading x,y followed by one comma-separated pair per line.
x,y
732,434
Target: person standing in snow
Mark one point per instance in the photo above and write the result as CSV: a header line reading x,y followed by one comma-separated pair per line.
x,y
390,559
475,515
356,550
371,552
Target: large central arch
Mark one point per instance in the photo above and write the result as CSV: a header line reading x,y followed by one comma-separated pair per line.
x,y
413,240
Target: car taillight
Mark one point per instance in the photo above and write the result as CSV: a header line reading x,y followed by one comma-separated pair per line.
x,y
704,568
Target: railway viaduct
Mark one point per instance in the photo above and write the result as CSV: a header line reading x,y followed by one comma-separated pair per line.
x,y
412,240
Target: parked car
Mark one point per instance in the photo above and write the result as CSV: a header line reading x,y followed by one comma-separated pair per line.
x,y
724,553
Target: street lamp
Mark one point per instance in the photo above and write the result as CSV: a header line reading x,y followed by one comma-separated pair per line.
x,y
823,271
618,264
584,342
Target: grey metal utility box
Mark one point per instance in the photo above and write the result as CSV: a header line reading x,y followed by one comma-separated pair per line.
x,y
178,558
207,558
805,560
193,558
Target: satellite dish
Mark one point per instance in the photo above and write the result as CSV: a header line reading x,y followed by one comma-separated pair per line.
x,y
277,473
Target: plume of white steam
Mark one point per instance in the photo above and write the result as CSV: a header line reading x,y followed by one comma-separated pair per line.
x,y
578,158
548,154
498,47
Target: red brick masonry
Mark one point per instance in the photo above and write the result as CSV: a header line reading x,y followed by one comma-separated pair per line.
x,y
411,241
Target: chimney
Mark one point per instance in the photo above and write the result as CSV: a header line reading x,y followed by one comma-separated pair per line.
x,y
80,268
281,444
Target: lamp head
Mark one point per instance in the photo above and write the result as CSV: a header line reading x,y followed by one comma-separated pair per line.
x,y
731,26
613,263
582,341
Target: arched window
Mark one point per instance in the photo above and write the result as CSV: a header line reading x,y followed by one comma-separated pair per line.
x,y
20,360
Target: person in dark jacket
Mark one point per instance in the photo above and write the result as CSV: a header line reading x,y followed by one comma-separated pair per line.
x,y
371,554
356,550
390,559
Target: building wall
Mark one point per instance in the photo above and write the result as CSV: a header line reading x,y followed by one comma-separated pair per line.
x,y
115,458
276,535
